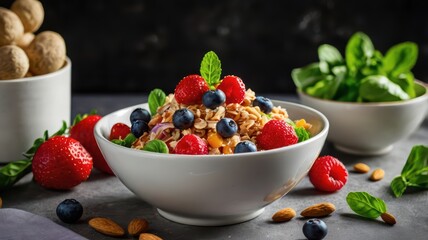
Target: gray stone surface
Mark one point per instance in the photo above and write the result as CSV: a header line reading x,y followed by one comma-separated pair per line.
x,y
106,196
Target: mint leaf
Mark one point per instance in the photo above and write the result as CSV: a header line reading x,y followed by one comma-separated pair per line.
x,y
156,99
365,204
211,68
156,145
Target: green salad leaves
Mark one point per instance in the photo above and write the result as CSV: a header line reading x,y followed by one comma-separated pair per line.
x,y
363,75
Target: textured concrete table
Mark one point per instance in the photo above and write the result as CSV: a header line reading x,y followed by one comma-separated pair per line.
x,y
106,196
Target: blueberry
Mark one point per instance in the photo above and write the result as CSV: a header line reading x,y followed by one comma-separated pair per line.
x,y
69,211
226,127
140,114
183,118
213,98
139,127
265,104
245,146
315,229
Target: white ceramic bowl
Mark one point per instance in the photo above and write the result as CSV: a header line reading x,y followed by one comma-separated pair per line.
x,y
212,190
371,128
31,105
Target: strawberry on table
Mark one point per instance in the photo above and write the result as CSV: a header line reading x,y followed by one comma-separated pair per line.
x,y
191,89
119,131
276,134
234,89
83,131
61,163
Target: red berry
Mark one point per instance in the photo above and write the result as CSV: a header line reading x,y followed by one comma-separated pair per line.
x,y
276,134
328,174
234,89
119,131
191,144
61,163
190,90
83,132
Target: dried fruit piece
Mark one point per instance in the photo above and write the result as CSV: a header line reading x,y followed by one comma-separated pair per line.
x,y
319,210
137,226
106,226
388,218
283,215
361,168
149,236
377,174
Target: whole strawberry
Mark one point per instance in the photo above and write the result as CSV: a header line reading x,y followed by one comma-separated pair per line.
x,y
61,163
191,89
234,89
83,131
276,134
191,144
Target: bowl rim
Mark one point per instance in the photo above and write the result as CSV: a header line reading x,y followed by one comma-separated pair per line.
x,y
372,104
65,67
321,134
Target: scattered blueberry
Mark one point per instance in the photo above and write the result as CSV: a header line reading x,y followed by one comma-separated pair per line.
x,y
245,146
139,127
226,127
265,104
69,211
183,118
213,98
140,114
315,229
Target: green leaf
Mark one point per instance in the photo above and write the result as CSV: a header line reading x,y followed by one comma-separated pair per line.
x,y
155,100
156,145
307,76
365,204
126,142
211,68
400,58
13,172
398,186
328,53
417,160
379,88
358,50
302,133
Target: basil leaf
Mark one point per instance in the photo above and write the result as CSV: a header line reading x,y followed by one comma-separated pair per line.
x,y
358,50
211,68
380,89
126,142
398,186
400,58
328,53
156,145
155,100
307,76
365,204
13,172
417,159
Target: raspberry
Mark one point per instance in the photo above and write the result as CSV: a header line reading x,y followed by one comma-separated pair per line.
x,y
328,174
191,89
234,89
119,131
191,144
276,134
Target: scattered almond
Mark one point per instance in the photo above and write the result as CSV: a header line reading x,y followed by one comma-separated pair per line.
x,y
149,236
106,226
361,168
137,226
284,215
319,210
388,218
377,174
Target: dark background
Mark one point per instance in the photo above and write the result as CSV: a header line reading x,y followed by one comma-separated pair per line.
x,y
130,46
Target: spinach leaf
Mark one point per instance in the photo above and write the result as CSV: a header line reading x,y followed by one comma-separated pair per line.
x,y
155,100
400,59
379,88
358,50
365,204
307,76
329,54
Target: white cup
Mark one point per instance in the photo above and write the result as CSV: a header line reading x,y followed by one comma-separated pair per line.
x,y
31,105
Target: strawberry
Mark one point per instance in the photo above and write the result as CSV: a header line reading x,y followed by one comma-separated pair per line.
x,y
328,174
276,134
234,89
83,131
119,131
190,89
191,144
61,163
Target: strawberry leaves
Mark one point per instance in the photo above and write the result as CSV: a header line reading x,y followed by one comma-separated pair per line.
x,y
211,69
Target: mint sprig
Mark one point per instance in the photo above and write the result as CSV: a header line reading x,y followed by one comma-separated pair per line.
x,y
155,100
211,69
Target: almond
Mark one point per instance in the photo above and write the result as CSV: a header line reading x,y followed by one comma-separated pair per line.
x,y
106,226
377,174
283,215
137,226
149,236
361,168
319,210
388,218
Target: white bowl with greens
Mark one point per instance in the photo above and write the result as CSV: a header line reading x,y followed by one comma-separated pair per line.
x,y
371,100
